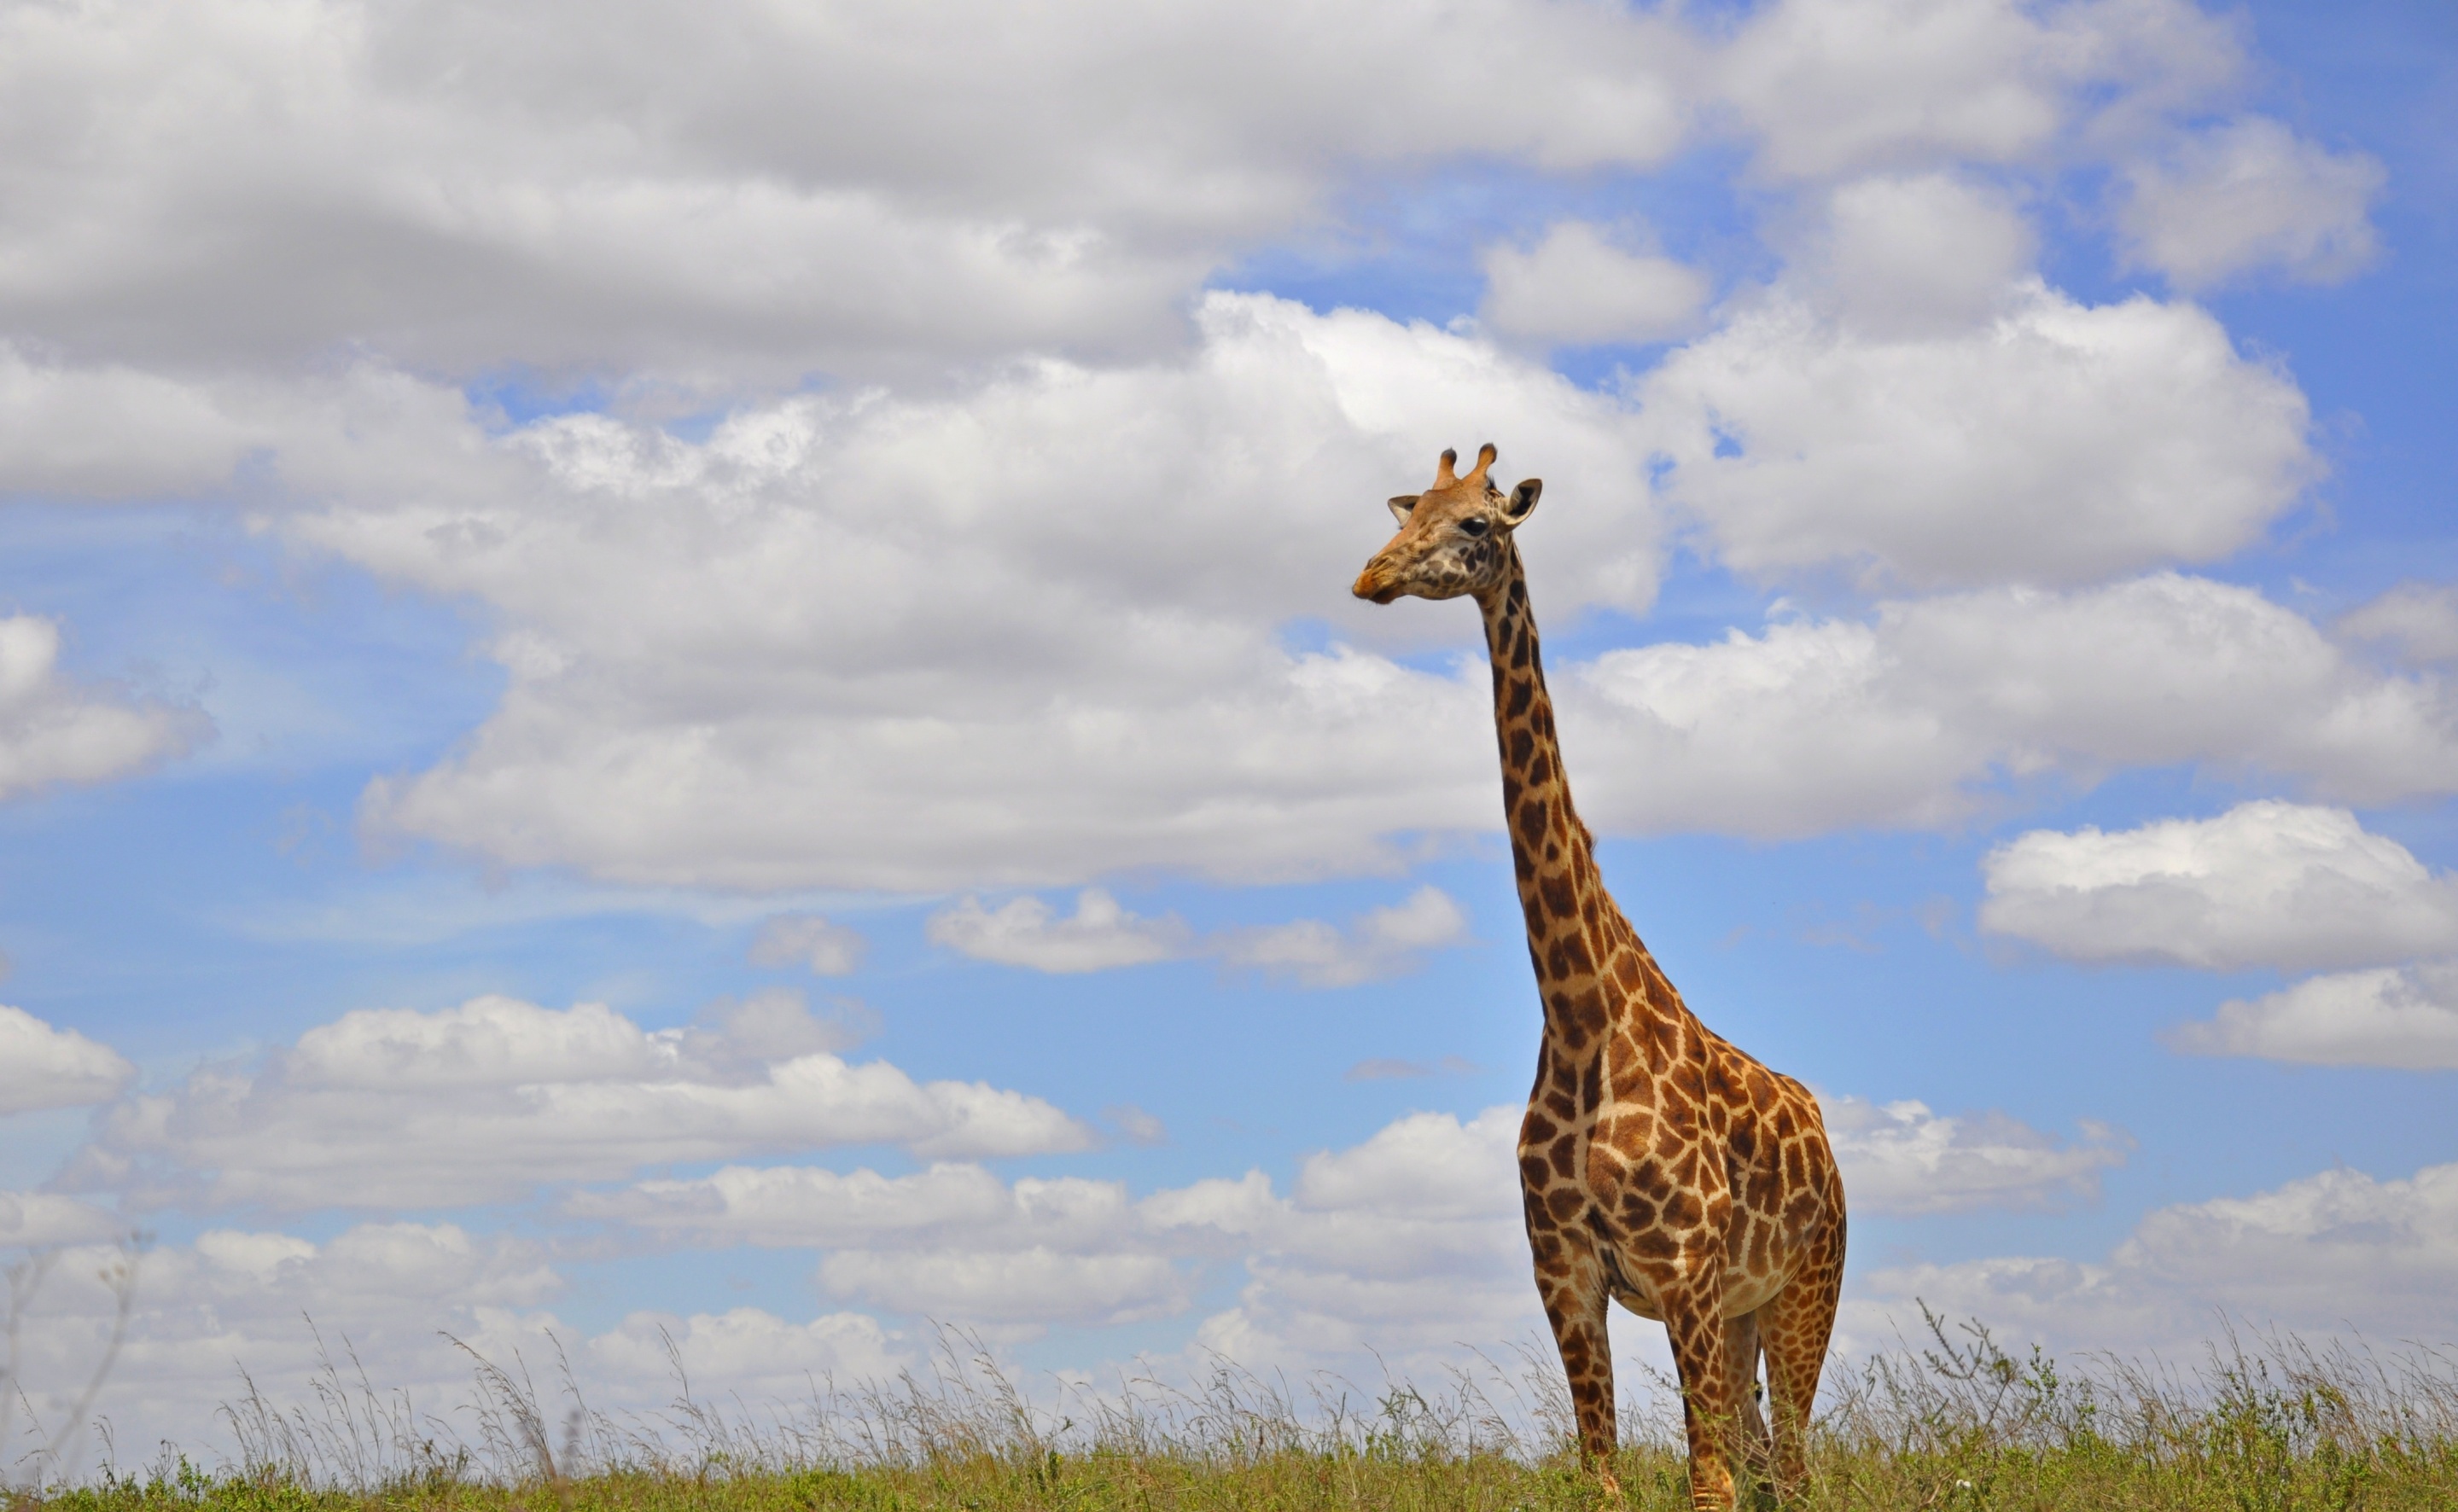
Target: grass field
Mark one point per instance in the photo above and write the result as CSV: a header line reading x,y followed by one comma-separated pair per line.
x,y
1951,1422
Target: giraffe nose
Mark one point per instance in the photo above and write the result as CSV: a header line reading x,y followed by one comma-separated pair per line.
x,y
1372,584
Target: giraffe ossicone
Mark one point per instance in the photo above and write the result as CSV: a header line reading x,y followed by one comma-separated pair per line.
x,y
1660,1165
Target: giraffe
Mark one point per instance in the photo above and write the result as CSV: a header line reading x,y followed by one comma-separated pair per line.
x,y
1659,1166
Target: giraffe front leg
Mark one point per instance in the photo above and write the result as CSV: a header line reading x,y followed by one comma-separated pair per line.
x,y
1570,1282
1749,1439
1695,1324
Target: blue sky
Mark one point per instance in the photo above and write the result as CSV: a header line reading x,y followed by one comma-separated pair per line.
x,y
707,681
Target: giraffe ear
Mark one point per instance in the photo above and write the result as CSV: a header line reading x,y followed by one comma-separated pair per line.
x,y
1402,504
1522,502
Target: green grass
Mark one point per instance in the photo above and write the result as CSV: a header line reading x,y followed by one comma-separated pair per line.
x,y
1952,1423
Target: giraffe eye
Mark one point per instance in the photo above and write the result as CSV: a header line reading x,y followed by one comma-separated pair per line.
x,y
1476,525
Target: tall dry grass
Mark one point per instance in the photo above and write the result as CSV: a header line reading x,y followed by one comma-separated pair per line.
x,y
1951,1420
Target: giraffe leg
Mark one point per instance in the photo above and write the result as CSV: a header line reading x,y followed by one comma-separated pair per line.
x,y
1795,1327
1693,1323
1571,1280
1741,1371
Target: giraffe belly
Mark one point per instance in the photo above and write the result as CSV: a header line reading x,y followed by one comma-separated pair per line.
x,y
1744,1293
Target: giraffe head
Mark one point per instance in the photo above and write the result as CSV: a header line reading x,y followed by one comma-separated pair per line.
x,y
1454,538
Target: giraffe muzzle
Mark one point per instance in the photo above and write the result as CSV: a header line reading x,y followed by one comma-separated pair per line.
x,y
1376,582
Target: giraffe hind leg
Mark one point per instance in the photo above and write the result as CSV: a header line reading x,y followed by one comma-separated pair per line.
x,y
1795,1328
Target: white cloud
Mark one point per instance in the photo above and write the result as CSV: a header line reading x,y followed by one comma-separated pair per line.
x,y
40,1219
1576,288
1919,255
1137,1125
776,1024
2059,443
42,1067
1099,935
2325,1254
1907,719
2336,1247
1379,943
947,1207
757,195
754,193
1832,85
52,730
235,1300
1017,1286
394,1109
752,1353
2264,884
1057,656
2404,1017
2247,195
382,1297
2421,618
808,940
1428,1202
1407,1245
1902,1159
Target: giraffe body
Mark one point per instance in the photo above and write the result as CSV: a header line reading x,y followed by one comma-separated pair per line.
x,y
1660,1165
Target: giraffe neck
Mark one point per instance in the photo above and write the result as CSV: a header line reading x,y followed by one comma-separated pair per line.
x,y
1574,926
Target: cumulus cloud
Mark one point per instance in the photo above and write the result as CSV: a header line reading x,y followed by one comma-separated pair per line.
x,y
1904,720
754,194
1428,1202
233,1298
2264,884
51,730
485,1102
1831,86
398,1297
43,1066
2251,194
1575,287
1137,1125
1101,934
1023,932
2319,1254
1060,655
1057,655
2404,1017
751,194
761,1358
2059,443
41,1219
1379,942
1019,1286
1918,255
1902,1159
2421,619
827,948
1405,1243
